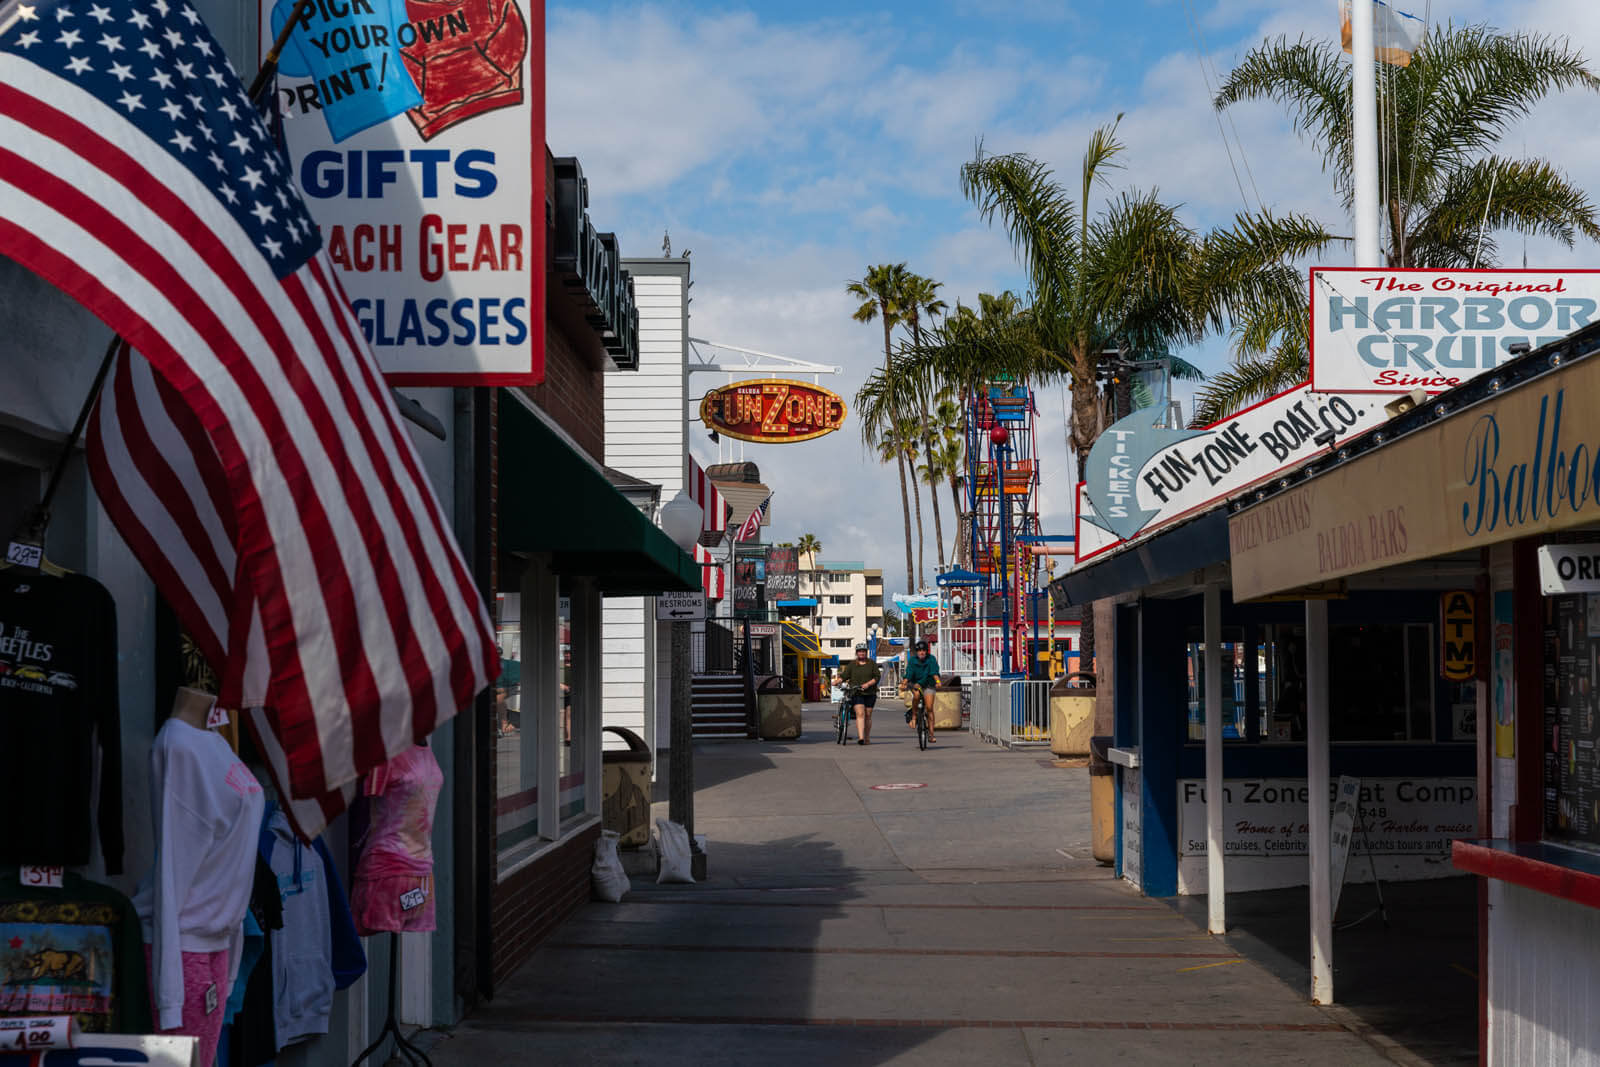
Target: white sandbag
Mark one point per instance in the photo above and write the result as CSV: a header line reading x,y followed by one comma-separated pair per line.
x,y
676,864
610,880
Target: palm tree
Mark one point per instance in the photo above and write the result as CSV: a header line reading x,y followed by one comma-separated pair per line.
x,y
919,297
879,292
809,547
1447,189
1097,280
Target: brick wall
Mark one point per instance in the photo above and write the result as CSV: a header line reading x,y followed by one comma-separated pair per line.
x,y
530,904
573,391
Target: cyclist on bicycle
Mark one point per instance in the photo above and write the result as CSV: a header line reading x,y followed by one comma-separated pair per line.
x,y
922,677
860,679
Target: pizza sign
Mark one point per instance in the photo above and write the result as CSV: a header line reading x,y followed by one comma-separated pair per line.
x,y
772,411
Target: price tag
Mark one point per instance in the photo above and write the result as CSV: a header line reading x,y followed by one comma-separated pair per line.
x,y
412,899
23,554
42,877
217,717
40,1032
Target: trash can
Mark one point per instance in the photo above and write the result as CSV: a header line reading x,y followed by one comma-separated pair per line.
x,y
814,686
947,704
1102,800
1071,714
777,709
625,806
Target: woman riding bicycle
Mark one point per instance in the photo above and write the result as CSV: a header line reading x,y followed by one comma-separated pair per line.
x,y
860,679
922,678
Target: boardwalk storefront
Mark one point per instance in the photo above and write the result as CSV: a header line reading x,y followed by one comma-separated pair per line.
x,y
1496,481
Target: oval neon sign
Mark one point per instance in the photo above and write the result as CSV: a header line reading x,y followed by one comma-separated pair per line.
x,y
772,411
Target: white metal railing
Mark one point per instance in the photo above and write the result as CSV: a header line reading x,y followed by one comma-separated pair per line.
x,y
1013,713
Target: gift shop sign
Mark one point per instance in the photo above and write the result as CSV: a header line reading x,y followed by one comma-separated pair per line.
x,y
1392,331
1525,461
772,411
1405,824
1140,477
415,131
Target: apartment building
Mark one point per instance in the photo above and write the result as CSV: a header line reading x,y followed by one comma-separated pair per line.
x,y
849,598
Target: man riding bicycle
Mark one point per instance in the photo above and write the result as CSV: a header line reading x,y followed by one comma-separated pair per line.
x,y
860,679
922,678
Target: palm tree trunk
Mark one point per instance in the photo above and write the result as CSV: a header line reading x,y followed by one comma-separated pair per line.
x,y
958,546
905,504
933,497
916,497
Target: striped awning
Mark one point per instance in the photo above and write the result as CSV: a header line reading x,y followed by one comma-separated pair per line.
x,y
801,641
712,578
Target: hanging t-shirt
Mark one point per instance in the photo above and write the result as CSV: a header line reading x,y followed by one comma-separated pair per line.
x,y
74,950
393,887
58,697
354,60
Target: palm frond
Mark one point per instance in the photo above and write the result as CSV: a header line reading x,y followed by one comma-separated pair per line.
x,y
1246,383
1038,216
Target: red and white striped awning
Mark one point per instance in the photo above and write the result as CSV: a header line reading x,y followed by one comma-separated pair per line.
x,y
711,573
704,492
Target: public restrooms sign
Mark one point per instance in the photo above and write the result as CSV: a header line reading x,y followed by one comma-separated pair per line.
x,y
415,131
1392,331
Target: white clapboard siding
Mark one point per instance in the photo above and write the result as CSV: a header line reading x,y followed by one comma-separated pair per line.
x,y
646,437
622,691
1544,978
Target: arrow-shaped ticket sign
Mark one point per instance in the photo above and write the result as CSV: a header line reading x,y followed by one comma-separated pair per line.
x,y
1141,476
1115,462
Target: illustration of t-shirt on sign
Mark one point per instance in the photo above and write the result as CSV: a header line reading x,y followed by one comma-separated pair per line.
x,y
354,59
467,55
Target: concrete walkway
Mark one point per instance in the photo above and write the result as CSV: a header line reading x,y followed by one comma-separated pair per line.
x,y
962,921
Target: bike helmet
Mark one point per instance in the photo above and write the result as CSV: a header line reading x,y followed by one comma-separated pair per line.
x,y
861,647
921,646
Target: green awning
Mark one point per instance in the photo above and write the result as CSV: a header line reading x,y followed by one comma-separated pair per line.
x,y
553,500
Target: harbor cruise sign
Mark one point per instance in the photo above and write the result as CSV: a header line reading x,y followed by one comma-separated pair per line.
x,y
1392,331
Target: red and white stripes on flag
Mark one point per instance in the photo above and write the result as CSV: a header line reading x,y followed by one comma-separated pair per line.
x,y
753,523
351,619
703,491
161,483
712,580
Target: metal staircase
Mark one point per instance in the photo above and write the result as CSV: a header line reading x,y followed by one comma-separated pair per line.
x,y
717,703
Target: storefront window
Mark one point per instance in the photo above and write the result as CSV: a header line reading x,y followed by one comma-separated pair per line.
x,y
516,747
1381,684
1234,653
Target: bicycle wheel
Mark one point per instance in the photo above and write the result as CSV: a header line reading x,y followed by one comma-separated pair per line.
x,y
843,723
922,730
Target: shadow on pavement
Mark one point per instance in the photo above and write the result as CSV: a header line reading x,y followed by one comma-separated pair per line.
x,y
1413,981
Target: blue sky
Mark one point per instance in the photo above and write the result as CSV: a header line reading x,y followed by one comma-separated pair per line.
x,y
789,146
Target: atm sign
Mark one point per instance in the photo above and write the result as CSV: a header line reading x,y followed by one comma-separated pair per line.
x,y
1458,659
772,411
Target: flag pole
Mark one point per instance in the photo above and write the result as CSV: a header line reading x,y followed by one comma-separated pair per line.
x,y
34,532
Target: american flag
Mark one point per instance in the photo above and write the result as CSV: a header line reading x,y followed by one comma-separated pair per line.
x,y
291,524
753,523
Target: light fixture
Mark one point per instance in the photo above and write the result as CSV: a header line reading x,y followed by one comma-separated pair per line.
x,y
1283,483
1555,359
1326,438
1380,437
1441,410
1344,454
1495,385
1402,404
681,520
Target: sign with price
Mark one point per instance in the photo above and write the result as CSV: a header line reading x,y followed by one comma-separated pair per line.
x,y
42,877
23,554
32,1034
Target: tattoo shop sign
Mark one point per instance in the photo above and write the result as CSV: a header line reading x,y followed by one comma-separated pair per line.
x,y
1140,477
1392,331
1408,826
415,132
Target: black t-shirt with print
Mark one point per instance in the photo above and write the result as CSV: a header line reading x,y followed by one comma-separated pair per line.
x,y
58,696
